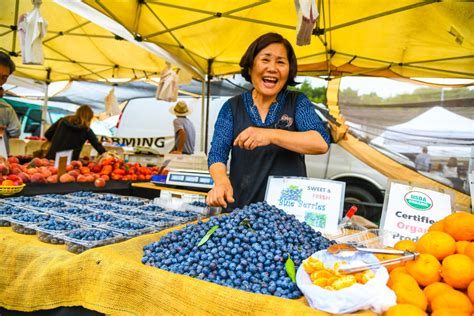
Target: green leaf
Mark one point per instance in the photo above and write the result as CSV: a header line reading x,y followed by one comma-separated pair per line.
x,y
208,235
290,269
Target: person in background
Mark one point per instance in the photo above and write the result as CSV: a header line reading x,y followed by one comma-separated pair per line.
x,y
184,132
71,132
10,126
422,160
450,171
267,130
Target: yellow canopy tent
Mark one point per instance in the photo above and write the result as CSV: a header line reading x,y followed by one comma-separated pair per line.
x,y
396,39
76,48
408,38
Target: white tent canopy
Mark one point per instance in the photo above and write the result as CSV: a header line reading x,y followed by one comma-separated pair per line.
x,y
444,133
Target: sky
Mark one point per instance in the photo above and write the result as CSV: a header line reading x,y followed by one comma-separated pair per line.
x,y
382,86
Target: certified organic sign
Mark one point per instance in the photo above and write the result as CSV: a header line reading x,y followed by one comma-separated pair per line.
x,y
317,202
409,211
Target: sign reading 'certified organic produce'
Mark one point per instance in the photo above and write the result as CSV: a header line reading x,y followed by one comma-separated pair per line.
x,y
410,210
317,202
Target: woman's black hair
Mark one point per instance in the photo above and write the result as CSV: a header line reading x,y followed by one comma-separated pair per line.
x,y
246,63
5,60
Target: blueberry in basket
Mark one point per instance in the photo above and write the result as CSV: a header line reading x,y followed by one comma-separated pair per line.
x,y
152,208
73,211
19,222
248,249
106,207
181,214
54,196
129,202
132,213
78,241
48,204
46,230
99,218
198,204
82,201
21,199
7,210
127,225
85,194
109,198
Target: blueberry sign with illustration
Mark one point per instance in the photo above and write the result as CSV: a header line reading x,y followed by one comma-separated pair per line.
x,y
314,201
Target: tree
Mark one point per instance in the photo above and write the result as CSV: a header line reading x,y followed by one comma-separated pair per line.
x,y
316,94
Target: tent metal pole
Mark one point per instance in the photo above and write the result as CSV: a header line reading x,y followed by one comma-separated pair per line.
x,y
44,112
17,8
208,101
203,110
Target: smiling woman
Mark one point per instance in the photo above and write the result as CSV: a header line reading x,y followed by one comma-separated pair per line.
x,y
268,130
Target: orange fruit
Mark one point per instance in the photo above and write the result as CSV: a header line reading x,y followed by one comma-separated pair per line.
x,y
437,226
470,291
452,300
404,310
450,312
407,290
400,277
461,246
425,269
432,290
456,270
406,245
399,270
383,256
460,225
438,244
469,250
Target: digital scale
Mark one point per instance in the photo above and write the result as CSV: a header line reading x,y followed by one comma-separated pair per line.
x,y
190,178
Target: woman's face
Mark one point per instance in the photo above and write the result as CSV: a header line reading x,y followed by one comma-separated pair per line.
x,y
270,70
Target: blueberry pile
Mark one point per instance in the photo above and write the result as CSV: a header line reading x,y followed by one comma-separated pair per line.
x,y
152,208
198,204
73,211
99,218
48,204
248,251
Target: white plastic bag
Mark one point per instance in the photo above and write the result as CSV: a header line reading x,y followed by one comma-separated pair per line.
x,y
374,295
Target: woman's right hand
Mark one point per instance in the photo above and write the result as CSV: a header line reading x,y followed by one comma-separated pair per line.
x,y
220,195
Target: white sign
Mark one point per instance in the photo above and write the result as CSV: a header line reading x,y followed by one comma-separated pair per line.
x,y
317,202
409,211
64,153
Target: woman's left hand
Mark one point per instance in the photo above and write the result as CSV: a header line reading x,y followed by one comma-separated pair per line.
x,y
253,137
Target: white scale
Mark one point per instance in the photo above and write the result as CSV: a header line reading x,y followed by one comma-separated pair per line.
x,y
190,178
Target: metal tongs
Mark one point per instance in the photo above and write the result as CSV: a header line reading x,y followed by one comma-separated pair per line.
x,y
405,256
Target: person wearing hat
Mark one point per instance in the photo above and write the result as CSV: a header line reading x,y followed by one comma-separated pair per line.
x,y
184,132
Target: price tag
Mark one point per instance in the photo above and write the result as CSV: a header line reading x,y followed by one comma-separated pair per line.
x,y
410,210
317,202
61,160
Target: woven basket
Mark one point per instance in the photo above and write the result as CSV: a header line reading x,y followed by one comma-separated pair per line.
x,y
11,189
